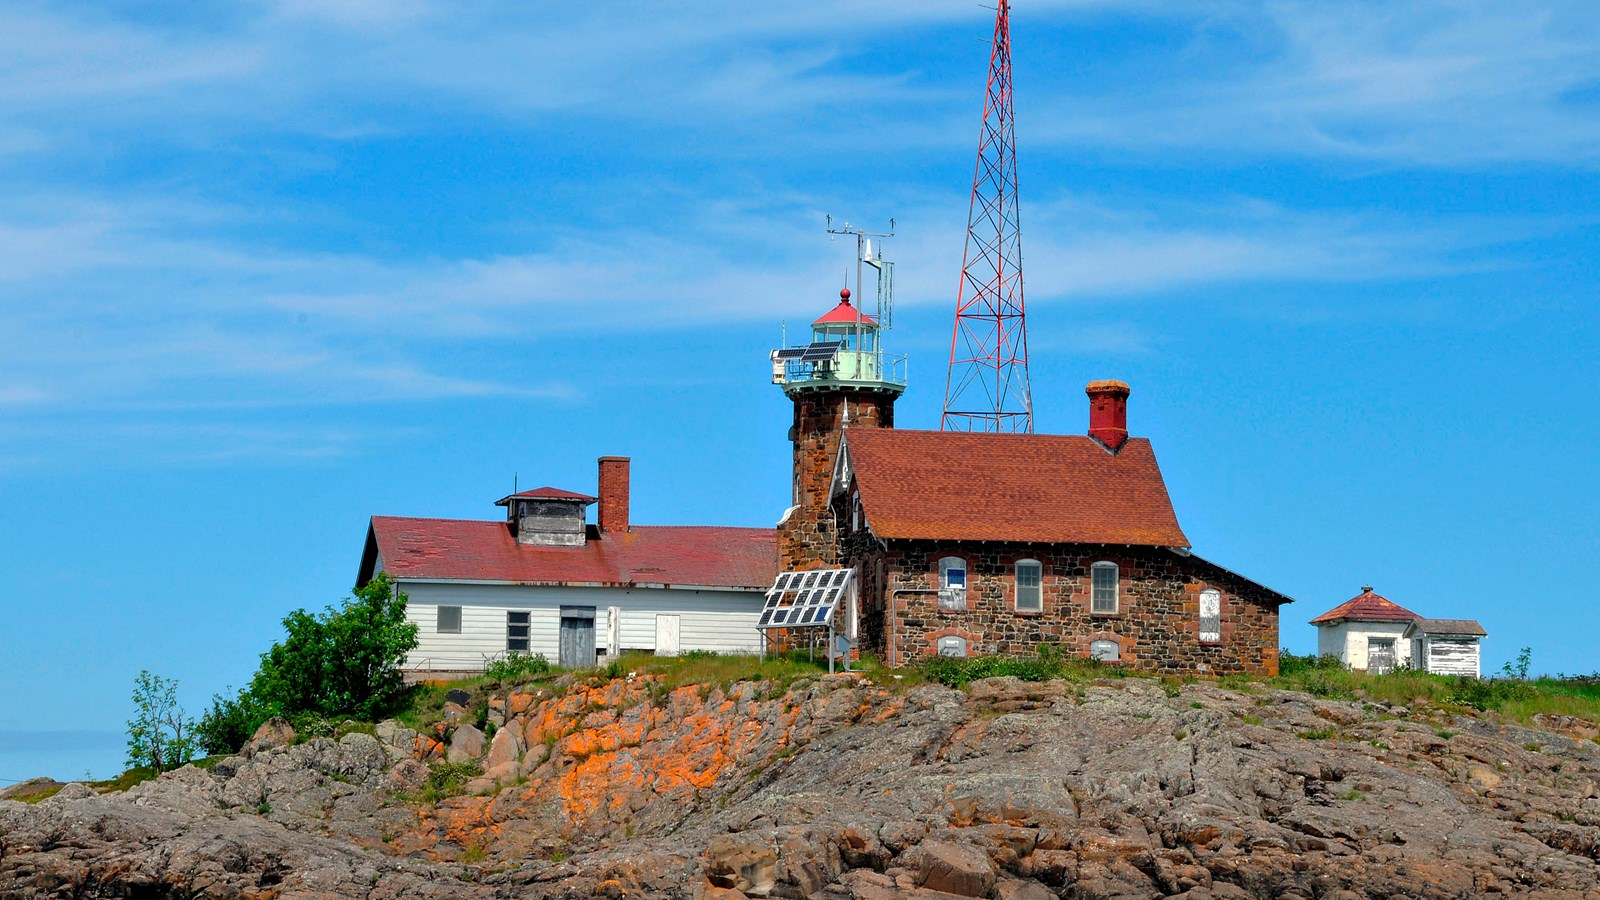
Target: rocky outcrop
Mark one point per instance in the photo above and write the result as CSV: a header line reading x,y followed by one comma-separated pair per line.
x,y
840,789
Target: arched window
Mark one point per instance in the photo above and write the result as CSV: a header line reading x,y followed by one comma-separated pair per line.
x,y
1210,616
1030,585
952,583
1103,587
1105,651
952,646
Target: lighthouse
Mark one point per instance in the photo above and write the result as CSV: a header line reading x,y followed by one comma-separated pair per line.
x,y
841,379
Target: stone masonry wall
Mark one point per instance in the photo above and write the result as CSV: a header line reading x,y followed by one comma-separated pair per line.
x,y
806,539
1156,623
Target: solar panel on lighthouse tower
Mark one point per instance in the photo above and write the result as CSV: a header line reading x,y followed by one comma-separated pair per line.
x,y
791,353
804,599
821,350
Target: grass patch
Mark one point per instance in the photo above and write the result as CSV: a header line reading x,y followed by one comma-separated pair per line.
x,y
448,779
1515,698
709,671
1317,734
36,790
136,775
1049,665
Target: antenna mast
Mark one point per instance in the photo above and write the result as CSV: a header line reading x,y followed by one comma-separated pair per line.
x,y
986,388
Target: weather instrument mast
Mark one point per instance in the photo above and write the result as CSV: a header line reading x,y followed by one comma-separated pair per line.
x,y
987,386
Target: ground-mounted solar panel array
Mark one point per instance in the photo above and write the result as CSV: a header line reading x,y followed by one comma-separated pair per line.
x,y
804,599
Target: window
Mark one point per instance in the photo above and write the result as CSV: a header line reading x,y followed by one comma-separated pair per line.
x,y
952,646
952,583
1380,655
449,621
855,511
1104,587
517,624
1210,615
1105,651
1030,586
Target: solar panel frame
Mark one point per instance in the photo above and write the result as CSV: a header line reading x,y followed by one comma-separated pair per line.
x,y
820,351
804,599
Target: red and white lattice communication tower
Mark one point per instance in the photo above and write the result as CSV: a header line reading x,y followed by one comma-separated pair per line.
x,y
987,386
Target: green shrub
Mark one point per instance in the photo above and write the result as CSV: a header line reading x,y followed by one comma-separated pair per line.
x,y
448,779
1295,664
1487,693
959,671
517,667
230,721
342,662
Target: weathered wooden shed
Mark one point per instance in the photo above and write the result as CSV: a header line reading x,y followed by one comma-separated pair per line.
x,y
1446,646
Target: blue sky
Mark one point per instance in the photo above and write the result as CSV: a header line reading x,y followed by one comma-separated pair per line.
x,y
269,268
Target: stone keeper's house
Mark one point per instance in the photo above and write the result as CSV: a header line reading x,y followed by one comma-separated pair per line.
x,y
969,543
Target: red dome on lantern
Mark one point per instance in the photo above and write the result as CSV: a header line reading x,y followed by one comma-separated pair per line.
x,y
845,314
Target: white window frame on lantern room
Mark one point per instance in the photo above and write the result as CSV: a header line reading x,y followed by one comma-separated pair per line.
x,y
1028,575
1105,598
953,590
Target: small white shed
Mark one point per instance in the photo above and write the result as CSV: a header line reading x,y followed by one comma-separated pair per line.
x,y
1366,632
1446,646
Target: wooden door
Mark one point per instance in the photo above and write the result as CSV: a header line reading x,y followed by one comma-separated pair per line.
x,y
668,635
577,637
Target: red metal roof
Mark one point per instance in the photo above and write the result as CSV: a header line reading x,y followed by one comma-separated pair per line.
x,y
1367,607
844,313
1037,488
469,550
546,493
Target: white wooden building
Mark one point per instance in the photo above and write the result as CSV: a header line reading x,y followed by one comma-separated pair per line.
x,y
1366,632
1446,646
543,580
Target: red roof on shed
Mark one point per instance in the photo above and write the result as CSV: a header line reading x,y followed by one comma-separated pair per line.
x,y
469,550
1038,488
1367,607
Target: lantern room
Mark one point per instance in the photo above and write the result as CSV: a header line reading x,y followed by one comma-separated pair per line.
x,y
845,352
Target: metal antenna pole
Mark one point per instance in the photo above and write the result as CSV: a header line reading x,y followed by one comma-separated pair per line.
x,y
861,236
987,386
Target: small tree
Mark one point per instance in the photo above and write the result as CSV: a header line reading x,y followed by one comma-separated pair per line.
x,y
159,737
344,661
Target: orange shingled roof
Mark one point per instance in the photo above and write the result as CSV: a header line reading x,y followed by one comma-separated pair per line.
x,y
1036,488
1367,607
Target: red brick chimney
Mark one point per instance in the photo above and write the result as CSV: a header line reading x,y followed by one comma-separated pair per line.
x,y
613,514
1108,413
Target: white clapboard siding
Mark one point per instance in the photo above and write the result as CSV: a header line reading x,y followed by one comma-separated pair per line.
x,y
720,621
1453,656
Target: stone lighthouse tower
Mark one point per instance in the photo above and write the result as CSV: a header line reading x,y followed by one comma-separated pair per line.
x,y
842,379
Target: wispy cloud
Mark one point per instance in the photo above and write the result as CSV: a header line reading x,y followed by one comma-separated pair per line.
x,y
1433,82
1421,82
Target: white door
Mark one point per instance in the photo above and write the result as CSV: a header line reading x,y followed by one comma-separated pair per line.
x,y
667,632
